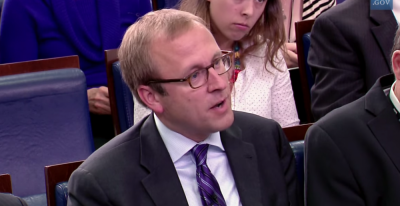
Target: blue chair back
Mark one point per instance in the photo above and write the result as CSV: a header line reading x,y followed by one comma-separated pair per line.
x,y
36,200
306,48
61,194
298,151
124,99
306,78
44,120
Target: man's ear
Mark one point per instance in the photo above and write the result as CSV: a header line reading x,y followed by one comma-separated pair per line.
x,y
150,98
396,64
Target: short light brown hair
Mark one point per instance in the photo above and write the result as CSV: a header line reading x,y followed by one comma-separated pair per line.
x,y
396,44
135,59
268,29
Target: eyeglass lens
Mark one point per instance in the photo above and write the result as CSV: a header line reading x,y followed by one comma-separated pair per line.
x,y
221,65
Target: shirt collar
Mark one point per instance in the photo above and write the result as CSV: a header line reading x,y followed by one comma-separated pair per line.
x,y
393,98
178,145
396,10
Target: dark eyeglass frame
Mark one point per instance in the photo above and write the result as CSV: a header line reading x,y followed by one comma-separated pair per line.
x,y
187,78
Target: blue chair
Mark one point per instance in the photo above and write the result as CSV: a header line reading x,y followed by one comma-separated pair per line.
x,y
61,194
306,78
57,177
295,136
298,151
5,183
36,200
44,120
121,98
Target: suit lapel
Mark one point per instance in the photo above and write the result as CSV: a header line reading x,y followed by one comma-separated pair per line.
x,y
243,162
385,126
386,129
162,183
385,28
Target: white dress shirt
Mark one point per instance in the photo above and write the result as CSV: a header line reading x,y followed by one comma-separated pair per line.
x,y
396,10
179,148
393,97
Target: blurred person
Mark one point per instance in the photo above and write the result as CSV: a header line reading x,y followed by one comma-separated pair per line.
x,y
352,155
350,50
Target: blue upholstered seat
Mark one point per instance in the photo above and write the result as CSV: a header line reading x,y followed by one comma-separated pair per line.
x,y
298,150
36,200
61,194
124,99
44,120
307,43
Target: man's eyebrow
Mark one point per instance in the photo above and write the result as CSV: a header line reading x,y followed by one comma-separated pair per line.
x,y
193,68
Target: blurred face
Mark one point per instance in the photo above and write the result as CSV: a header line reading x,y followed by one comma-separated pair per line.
x,y
233,19
194,113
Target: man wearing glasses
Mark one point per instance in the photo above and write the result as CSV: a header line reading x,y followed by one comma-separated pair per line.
x,y
193,149
353,153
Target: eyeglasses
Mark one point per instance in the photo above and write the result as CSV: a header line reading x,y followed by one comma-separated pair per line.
x,y
200,77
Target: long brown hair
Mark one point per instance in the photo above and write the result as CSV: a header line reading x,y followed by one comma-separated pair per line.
x,y
268,29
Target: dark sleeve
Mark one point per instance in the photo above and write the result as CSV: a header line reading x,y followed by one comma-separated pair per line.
x,y
18,35
329,180
83,189
289,169
336,67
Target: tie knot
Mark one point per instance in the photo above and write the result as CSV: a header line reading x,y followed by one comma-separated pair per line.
x,y
200,153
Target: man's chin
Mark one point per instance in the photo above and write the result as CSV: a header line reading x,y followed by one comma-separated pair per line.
x,y
226,121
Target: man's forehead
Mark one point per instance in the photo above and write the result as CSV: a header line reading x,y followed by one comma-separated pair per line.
x,y
188,51
176,34
184,43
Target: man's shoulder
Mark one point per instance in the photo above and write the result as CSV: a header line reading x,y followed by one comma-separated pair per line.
x,y
248,120
349,117
115,151
253,126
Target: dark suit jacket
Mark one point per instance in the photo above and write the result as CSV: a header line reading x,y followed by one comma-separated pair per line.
x,y
350,49
11,200
135,167
353,153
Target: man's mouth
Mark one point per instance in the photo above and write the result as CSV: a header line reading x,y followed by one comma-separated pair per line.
x,y
220,104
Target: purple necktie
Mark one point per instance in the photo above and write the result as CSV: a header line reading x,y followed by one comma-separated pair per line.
x,y
208,186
